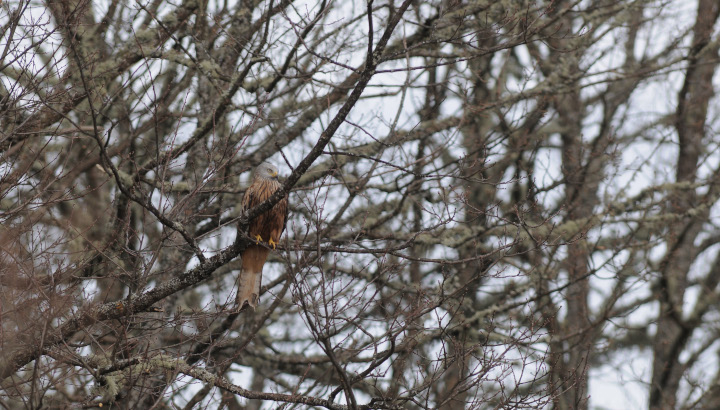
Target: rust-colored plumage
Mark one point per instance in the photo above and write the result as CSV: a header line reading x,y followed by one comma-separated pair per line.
x,y
267,227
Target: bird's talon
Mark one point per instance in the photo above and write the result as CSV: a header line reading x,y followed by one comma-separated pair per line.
x,y
272,243
258,239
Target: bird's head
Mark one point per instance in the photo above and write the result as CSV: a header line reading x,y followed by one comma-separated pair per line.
x,y
266,171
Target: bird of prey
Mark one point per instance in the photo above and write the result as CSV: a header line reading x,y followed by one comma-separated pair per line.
x,y
266,227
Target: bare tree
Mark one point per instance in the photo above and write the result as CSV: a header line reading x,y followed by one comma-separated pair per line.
x,y
489,202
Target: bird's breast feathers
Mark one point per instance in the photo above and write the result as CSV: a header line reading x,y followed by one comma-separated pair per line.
x,y
270,224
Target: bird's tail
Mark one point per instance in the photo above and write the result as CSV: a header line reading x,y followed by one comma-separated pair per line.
x,y
253,259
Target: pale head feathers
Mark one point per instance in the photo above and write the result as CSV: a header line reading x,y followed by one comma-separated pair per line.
x,y
266,170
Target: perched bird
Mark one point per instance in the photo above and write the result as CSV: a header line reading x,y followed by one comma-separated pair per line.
x,y
266,227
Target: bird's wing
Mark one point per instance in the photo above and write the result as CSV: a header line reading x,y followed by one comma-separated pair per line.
x,y
251,196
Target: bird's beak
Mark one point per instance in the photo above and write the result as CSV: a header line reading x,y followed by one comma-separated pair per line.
x,y
274,175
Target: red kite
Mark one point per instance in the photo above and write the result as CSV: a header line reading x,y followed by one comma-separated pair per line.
x,y
267,226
